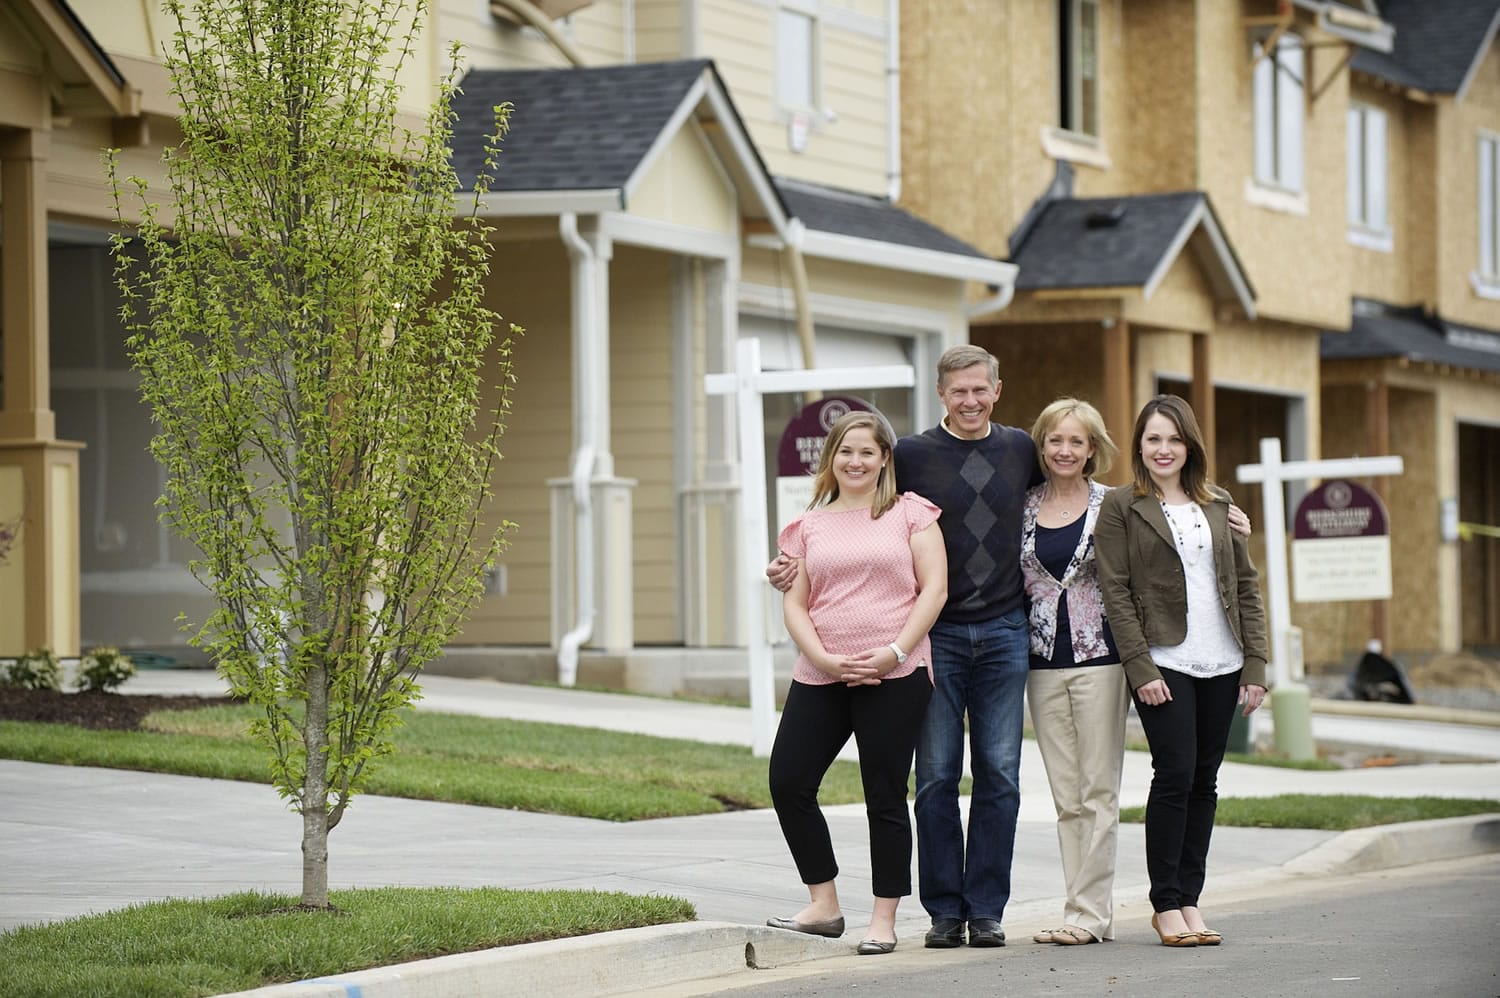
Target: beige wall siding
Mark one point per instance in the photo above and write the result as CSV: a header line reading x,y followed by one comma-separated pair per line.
x,y
687,186
833,277
848,151
658,30
1379,274
1459,128
597,31
1298,263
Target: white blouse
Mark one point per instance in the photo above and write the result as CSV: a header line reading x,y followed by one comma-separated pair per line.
x,y
1210,648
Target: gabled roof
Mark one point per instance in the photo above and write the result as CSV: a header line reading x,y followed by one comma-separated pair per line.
x,y
1127,242
89,79
1439,43
1379,331
582,138
861,227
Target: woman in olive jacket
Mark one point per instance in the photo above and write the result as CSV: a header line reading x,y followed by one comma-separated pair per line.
x,y
1183,599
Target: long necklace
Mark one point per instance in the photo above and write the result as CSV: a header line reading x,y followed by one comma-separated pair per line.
x,y
1189,554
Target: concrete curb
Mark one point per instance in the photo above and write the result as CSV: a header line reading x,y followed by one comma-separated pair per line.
x,y
629,960
1407,712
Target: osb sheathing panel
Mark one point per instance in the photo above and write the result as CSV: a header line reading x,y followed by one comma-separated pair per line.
x,y
1183,299
1379,274
1310,285
1039,363
1419,251
1459,127
1027,308
1152,142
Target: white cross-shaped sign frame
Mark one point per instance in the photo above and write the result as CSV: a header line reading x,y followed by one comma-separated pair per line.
x,y
748,383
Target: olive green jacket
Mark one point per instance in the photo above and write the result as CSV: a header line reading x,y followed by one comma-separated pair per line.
x,y
1145,596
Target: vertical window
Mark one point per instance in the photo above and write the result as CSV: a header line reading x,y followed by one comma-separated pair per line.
x,y
796,59
1367,168
1489,206
1078,66
1278,111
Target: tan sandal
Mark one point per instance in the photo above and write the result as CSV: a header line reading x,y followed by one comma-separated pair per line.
x,y
1071,935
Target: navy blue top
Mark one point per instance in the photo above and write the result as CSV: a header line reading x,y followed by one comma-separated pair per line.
x,y
980,485
1054,549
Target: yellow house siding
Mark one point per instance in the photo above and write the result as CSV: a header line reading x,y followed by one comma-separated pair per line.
x,y
658,30
850,280
1297,263
597,31
847,151
687,186
530,286
641,380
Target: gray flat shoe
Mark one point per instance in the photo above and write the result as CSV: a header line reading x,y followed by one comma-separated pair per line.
x,y
832,928
872,947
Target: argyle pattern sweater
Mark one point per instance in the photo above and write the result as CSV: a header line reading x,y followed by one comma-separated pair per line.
x,y
980,485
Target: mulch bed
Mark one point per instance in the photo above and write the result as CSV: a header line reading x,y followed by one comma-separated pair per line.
x,y
100,711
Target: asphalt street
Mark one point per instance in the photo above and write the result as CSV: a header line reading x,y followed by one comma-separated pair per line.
x,y
1428,930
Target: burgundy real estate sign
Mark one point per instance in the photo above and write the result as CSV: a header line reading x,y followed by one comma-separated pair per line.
x,y
1341,545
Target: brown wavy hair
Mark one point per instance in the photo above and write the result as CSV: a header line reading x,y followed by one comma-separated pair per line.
x,y
1194,470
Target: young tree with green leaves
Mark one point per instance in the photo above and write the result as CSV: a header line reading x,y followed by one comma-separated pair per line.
x,y
307,316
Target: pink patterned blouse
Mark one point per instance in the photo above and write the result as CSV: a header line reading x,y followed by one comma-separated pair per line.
x,y
862,583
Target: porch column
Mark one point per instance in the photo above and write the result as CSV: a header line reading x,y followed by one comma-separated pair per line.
x,y
1378,441
39,603
1202,392
1118,407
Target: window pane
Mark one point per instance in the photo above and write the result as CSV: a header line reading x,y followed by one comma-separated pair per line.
x,y
1290,111
1088,67
1375,169
794,59
1354,150
1264,101
1487,207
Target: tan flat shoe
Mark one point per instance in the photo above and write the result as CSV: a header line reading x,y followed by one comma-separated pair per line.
x,y
1209,937
1176,938
1045,936
1072,935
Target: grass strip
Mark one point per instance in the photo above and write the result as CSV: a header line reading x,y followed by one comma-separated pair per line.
x,y
242,941
1333,812
530,766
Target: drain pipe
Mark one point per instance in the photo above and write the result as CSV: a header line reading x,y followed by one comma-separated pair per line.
x,y
583,261
893,99
801,300
527,11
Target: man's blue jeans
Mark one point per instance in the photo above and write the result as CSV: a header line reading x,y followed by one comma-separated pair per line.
x,y
978,669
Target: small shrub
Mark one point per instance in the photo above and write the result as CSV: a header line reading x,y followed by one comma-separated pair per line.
x,y
35,670
103,669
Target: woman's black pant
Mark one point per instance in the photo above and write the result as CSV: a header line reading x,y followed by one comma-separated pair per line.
x,y
1187,735
815,724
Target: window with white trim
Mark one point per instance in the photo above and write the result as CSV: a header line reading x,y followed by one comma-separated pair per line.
x,y
1489,207
796,58
1279,110
1078,66
1367,168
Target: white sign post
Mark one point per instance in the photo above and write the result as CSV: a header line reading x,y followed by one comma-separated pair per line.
x,y
748,383
1272,472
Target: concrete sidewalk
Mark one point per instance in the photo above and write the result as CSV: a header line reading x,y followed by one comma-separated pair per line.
x,y
79,840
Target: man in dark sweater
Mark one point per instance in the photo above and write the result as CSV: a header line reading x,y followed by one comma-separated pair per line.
x,y
977,473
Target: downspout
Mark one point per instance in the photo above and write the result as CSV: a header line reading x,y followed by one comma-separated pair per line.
x,y
582,257
528,12
893,99
800,299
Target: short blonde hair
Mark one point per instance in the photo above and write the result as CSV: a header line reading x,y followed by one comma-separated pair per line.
x,y
1105,450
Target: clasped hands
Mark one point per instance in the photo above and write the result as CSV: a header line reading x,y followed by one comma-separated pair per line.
x,y
864,668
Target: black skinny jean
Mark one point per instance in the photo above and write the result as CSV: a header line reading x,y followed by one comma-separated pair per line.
x,y
1187,735
815,724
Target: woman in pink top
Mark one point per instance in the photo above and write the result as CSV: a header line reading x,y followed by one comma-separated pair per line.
x,y
872,576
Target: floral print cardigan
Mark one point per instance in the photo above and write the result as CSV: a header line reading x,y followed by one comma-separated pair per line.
x,y
1080,581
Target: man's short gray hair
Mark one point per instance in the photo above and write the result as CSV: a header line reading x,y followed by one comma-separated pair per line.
x,y
964,356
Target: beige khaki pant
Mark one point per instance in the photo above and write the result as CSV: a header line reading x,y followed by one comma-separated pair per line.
x,y
1078,715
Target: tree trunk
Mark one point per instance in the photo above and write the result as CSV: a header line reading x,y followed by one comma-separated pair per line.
x,y
315,792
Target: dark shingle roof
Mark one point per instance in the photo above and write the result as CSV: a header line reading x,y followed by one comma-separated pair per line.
x,y
1068,247
845,213
1436,45
1378,331
572,129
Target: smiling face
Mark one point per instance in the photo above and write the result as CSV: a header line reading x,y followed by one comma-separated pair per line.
x,y
1066,449
857,463
969,396
1163,449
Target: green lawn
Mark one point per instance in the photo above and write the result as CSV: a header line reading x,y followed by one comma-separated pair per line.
x,y
551,768
181,948
1334,812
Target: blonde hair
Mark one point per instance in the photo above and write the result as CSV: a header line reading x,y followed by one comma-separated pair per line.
x,y
1105,450
826,486
1194,478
